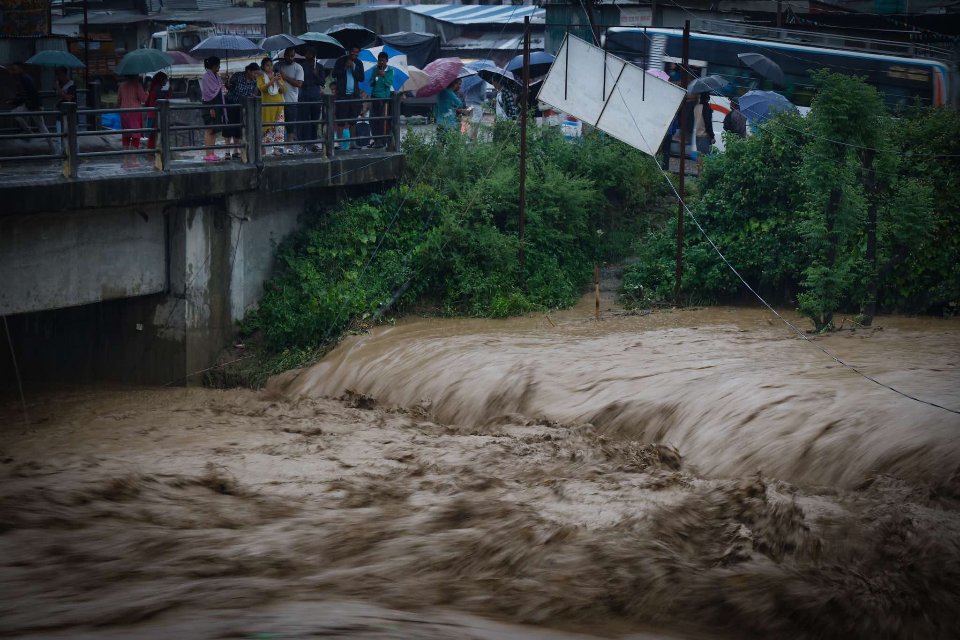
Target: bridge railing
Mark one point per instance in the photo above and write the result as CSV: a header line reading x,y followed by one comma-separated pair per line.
x,y
169,130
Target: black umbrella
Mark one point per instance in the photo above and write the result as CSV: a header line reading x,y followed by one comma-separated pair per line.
x,y
351,35
540,63
763,66
325,46
709,84
226,46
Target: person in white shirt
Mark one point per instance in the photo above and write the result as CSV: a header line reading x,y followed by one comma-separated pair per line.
x,y
292,74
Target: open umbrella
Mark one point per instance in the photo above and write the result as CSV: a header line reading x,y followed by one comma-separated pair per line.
x,y
351,34
442,72
56,59
473,81
280,41
466,72
760,105
143,61
179,57
396,60
226,47
659,73
417,80
763,66
708,84
496,74
325,46
540,63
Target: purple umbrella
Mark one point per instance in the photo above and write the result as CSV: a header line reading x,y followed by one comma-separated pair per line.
x,y
658,73
442,72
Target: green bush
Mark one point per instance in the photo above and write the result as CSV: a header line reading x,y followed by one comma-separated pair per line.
x,y
847,209
447,238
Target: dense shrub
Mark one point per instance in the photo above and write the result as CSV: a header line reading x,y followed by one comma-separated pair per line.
x,y
447,238
847,209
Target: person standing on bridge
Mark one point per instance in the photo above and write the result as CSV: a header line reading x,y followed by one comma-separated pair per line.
x,y
311,97
292,74
130,95
213,95
28,99
348,74
155,93
271,88
381,90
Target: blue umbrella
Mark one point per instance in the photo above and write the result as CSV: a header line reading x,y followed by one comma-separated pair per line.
x,y
396,60
540,63
761,105
471,82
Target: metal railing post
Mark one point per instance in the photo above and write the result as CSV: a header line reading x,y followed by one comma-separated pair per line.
x,y
331,125
253,130
93,102
395,121
163,132
71,146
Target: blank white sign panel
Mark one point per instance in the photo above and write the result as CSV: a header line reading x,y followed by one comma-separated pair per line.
x,y
611,94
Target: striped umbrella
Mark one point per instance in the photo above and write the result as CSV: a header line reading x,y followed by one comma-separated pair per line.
x,y
396,60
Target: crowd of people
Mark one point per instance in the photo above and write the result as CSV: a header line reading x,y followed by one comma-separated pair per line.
x,y
291,91
696,115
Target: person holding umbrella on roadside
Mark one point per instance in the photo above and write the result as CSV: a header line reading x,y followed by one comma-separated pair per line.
x,y
449,109
703,129
130,95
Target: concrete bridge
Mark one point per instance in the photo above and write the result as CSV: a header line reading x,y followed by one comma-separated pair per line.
x,y
140,275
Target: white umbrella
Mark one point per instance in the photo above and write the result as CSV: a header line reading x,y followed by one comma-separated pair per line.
x,y
417,79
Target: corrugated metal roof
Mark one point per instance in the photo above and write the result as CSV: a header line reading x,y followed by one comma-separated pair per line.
x,y
478,14
506,42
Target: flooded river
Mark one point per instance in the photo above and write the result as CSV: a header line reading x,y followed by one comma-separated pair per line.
x,y
695,473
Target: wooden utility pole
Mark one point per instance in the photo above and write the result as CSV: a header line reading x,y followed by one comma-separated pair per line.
x,y
86,46
524,107
684,80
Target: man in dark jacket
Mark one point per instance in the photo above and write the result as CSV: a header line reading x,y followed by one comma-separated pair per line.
x,y
28,99
348,74
311,93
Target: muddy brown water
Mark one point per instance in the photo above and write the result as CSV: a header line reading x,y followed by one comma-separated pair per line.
x,y
695,473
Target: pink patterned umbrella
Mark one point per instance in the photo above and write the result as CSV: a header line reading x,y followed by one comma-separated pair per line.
x,y
659,73
442,72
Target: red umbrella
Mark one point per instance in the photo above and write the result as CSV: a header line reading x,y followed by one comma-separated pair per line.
x,y
179,57
442,72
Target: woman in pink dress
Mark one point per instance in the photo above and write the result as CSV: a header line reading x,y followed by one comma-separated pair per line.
x,y
131,95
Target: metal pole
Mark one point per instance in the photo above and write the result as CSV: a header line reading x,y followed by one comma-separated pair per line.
x,y
163,132
395,120
86,45
331,125
524,107
684,79
71,148
596,290
253,129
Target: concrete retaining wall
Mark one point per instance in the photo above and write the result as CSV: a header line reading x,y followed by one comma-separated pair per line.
x,y
150,292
